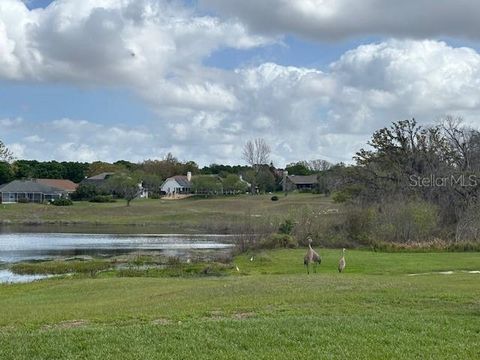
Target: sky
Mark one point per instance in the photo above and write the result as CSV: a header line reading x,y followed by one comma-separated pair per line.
x,y
88,80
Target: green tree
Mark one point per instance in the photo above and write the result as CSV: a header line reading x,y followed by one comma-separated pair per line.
x,y
206,184
124,186
75,171
232,183
6,172
87,192
298,168
265,180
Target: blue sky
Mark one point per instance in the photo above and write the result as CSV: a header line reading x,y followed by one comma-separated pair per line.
x,y
200,78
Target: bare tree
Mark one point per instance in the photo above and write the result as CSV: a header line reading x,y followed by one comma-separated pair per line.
x,y
5,154
319,165
256,152
463,141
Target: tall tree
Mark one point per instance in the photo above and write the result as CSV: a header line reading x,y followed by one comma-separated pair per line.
x,y
256,153
124,186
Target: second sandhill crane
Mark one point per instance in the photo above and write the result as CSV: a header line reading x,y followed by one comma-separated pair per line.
x,y
341,262
311,257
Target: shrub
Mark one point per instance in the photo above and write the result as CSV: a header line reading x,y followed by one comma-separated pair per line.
x,y
179,270
274,198
85,192
401,222
468,227
286,227
358,224
278,241
346,194
62,202
23,201
102,199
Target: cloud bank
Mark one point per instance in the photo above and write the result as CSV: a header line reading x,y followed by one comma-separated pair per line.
x,y
336,19
157,49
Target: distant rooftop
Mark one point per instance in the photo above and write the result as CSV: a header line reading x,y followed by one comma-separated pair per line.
x,y
101,176
303,179
66,185
29,186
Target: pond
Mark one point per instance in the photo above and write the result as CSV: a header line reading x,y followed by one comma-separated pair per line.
x,y
17,247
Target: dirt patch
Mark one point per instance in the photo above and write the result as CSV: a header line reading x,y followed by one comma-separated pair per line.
x,y
216,315
69,324
446,272
161,321
243,315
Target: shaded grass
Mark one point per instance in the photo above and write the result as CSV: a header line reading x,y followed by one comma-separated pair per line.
x,y
188,214
365,313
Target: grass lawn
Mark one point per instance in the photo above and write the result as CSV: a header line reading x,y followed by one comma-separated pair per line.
x,y
186,215
270,310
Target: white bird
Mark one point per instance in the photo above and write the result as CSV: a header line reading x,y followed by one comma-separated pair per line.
x,y
251,259
341,262
236,267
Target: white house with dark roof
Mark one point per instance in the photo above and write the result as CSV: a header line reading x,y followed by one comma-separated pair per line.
x,y
178,184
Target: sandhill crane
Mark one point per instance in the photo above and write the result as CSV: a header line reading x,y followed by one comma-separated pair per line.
x,y
341,262
311,257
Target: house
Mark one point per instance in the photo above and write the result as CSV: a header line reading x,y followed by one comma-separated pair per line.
x,y
29,191
299,182
178,184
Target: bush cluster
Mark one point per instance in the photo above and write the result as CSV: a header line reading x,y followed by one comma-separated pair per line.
x,y
62,202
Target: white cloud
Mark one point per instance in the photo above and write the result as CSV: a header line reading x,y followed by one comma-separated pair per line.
x,y
303,113
334,19
157,49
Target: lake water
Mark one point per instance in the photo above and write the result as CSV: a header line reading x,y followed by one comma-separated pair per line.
x,y
16,247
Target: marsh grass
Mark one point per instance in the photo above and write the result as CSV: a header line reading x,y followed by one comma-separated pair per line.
x,y
57,267
178,270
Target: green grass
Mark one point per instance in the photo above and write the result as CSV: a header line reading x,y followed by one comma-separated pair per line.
x,y
372,311
187,215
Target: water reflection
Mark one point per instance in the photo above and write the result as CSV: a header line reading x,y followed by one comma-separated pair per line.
x,y
6,276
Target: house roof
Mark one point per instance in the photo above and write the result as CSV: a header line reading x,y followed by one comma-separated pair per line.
x,y
302,179
181,180
101,176
29,186
66,185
